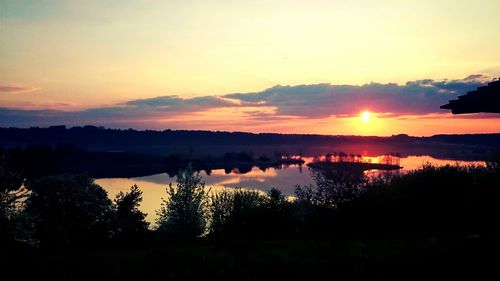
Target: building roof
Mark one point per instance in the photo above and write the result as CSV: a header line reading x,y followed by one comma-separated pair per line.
x,y
483,99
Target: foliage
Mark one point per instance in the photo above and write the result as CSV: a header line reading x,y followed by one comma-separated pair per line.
x,y
68,210
249,213
333,188
221,211
431,200
183,214
428,202
432,218
276,201
129,221
235,212
279,218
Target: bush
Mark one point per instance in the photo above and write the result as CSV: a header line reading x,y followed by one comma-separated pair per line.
x,y
236,212
249,213
221,210
183,214
333,188
68,210
428,201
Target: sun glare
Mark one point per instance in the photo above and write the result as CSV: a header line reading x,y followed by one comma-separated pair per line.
x,y
365,116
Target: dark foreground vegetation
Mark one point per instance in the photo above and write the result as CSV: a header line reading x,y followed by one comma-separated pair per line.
x,y
433,222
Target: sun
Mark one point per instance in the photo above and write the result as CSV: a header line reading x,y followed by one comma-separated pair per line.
x,y
365,116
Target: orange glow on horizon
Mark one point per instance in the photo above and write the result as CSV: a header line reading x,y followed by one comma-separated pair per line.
x,y
256,120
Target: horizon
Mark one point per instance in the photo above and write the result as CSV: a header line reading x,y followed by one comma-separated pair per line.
x,y
242,132
367,68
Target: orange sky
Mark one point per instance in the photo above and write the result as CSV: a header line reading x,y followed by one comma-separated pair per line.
x,y
215,65
416,125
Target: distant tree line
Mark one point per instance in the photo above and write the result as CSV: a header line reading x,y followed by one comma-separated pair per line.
x,y
93,136
40,160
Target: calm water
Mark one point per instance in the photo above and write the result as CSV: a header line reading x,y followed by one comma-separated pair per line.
x,y
284,178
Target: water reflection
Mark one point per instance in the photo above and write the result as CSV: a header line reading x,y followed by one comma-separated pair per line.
x,y
285,178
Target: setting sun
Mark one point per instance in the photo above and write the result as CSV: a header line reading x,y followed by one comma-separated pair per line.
x,y
365,116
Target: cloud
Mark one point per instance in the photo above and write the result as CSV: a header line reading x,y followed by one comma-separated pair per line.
x,y
478,77
276,104
323,100
14,88
176,102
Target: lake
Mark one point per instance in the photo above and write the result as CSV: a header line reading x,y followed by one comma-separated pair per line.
x,y
284,178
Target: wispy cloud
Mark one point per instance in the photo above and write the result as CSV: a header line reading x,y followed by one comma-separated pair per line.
x,y
16,88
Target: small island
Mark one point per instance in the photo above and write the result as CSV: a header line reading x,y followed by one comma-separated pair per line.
x,y
352,166
342,161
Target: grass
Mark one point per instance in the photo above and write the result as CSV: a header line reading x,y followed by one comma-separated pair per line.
x,y
264,259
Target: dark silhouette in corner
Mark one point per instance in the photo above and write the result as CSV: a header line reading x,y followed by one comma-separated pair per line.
x,y
484,99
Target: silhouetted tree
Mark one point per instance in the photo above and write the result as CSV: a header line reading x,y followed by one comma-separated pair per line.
x,y
221,211
276,201
493,166
328,157
68,210
183,212
278,212
239,212
305,193
246,206
430,200
129,221
305,206
333,187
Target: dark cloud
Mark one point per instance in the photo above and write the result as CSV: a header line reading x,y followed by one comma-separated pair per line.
x,y
323,100
420,97
26,118
176,102
478,77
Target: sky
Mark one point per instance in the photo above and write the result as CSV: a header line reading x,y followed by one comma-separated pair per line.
x,y
360,67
